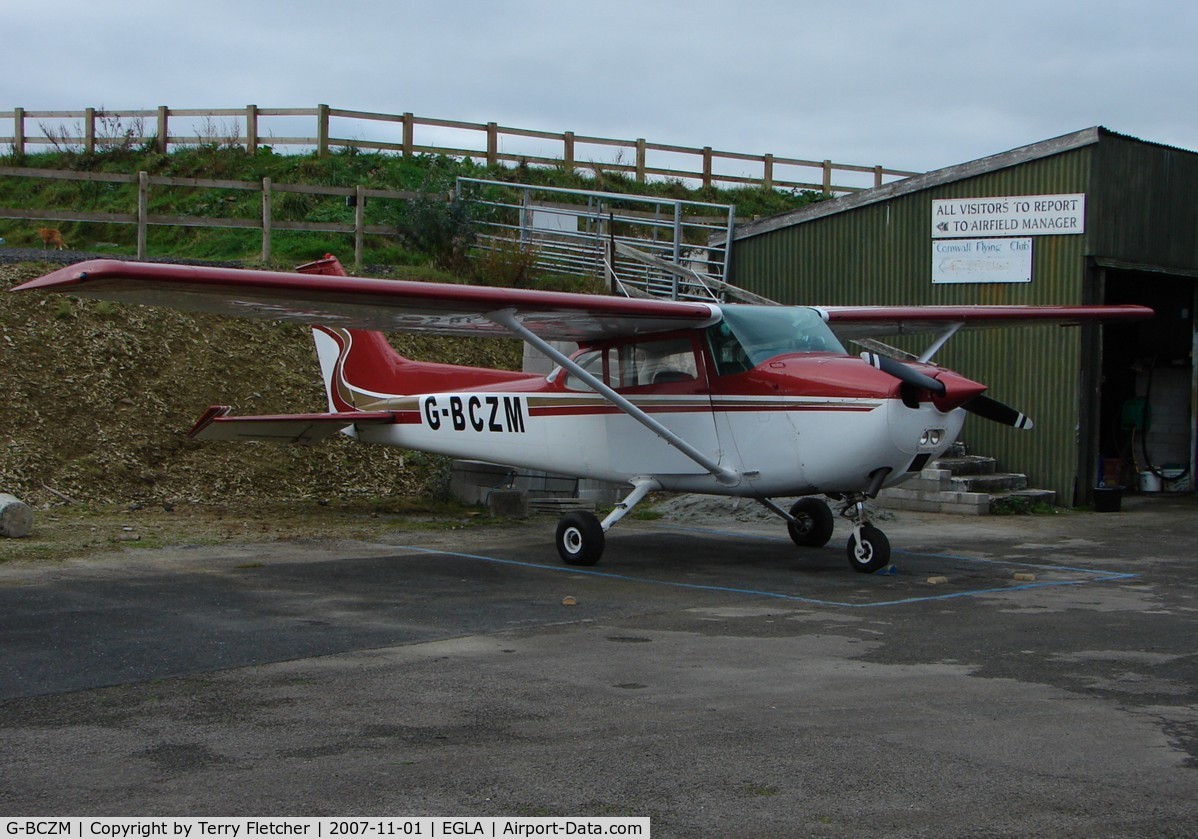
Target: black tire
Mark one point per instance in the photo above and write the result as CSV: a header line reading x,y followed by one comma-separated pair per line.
x,y
813,524
873,554
579,538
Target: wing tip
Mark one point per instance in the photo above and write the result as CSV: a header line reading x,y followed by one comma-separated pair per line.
x,y
209,416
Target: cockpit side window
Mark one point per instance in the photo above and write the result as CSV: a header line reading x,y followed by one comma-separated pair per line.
x,y
594,362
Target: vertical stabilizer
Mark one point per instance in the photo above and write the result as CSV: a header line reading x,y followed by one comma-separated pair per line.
x,y
361,370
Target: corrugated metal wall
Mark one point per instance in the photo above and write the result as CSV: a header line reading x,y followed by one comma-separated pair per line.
x,y
881,254
1147,204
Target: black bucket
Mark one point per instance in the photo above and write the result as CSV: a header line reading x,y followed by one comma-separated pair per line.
x,y
1108,499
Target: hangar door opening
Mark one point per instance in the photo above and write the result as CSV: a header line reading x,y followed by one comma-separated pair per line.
x,y
1148,431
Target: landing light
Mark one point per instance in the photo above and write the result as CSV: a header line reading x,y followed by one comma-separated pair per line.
x,y
931,437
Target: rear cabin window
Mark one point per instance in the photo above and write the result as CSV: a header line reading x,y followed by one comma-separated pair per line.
x,y
640,364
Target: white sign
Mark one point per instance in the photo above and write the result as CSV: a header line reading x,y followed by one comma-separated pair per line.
x,y
1022,215
982,261
554,221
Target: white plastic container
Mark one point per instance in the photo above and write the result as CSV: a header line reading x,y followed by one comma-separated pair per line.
x,y
1149,482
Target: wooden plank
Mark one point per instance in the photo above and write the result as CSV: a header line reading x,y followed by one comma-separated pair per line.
x,y
528,132
450,123
54,114
203,183
377,145
68,215
200,221
201,112
338,112
65,175
287,112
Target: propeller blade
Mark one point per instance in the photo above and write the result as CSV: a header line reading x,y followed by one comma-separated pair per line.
x,y
904,373
996,411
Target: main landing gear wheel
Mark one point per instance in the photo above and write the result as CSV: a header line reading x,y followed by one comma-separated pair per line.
x,y
579,538
812,525
871,553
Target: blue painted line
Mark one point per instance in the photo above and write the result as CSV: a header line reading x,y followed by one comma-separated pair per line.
x,y
1095,576
1100,575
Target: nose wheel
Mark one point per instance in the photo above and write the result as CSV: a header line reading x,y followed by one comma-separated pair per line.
x,y
868,549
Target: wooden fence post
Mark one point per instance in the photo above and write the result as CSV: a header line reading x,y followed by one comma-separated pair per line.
x,y
409,134
767,175
568,151
827,177
492,144
877,176
163,136
251,129
266,213
707,166
640,160
322,130
143,212
18,133
89,131
359,225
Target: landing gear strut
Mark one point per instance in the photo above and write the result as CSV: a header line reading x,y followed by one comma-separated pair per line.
x,y
580,535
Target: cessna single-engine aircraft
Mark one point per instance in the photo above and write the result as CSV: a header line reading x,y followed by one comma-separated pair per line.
x,y
740,400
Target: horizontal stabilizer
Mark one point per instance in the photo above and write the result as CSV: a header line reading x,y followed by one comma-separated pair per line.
x,y
215,424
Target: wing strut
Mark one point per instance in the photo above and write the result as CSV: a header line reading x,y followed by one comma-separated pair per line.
x,y
941,339
507,318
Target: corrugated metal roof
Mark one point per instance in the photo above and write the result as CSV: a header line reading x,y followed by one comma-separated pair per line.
x,y
930,180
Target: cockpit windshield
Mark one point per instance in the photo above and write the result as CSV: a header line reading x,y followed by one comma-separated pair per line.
x,y
751,335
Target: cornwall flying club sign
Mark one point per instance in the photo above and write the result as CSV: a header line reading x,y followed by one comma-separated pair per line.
x,y
1026,215
982,261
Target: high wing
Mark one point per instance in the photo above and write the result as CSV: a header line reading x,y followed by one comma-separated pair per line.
x,y
850,322
384,305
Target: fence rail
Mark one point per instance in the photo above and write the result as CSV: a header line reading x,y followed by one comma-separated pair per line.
x,y
95,128
267,223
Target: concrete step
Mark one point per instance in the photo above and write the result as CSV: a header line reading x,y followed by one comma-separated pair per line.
x,y
967,464
965,485
1021,501
990,483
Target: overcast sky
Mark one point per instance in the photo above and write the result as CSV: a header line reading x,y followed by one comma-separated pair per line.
x,y
915,85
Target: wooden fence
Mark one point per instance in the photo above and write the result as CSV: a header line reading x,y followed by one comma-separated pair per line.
x,y
93,128
266,223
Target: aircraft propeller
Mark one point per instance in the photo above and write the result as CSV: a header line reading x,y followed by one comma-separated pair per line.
x,y
982,406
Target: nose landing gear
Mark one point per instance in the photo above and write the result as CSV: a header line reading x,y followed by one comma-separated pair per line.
x,y
810,522
868,549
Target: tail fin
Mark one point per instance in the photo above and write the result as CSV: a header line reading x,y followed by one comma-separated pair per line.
x,y
362,371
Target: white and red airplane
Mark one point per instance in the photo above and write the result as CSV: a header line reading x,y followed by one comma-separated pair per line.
x,y
738,400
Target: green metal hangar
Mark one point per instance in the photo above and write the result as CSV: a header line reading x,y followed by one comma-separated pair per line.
x,y
1090,217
